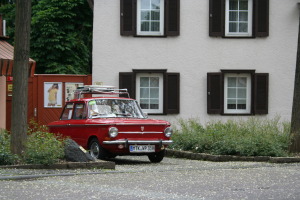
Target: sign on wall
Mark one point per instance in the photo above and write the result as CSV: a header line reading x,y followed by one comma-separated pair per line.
x,y
52,94
70,89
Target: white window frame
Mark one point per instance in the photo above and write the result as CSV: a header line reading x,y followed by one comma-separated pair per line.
x,y
161,86
150,33
248,93
250,16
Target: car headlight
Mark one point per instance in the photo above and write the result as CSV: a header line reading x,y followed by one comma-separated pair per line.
x,y
168,132
113,132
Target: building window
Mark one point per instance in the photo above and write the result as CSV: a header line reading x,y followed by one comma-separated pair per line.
x,y
237,92
156,90
150,17
149,92
238,18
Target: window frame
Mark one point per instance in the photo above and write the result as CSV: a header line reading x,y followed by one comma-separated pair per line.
x,y
139,32
248,93
161,91
250,23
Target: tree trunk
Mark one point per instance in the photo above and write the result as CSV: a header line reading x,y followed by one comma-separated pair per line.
x,y
20,76
91,4
295,121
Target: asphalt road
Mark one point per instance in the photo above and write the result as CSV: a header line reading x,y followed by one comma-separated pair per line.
x,y
180,179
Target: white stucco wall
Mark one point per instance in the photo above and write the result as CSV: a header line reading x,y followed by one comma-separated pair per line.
x,y
194,53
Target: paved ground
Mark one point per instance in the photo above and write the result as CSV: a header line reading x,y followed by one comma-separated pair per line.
x,y
136,178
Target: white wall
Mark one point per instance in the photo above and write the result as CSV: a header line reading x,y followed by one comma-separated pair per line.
x,y
194,53
2,102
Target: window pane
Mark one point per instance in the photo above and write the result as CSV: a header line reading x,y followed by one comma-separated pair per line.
x,y
243,4
154,26
155,15
155,4
145,4
154,82
242,93
233,4
144,92
231,93
243,16
232,27
144,103
231,104
243,27
242,82
231,82
241,104
154,103
233,16
145,26
145,15
154,92
144,82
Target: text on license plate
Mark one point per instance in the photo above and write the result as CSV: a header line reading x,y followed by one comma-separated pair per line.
x,y
142,148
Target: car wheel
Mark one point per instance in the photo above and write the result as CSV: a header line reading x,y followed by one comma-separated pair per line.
x,y
96,151
157,157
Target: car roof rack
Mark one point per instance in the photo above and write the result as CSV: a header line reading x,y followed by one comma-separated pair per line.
x,y
97,89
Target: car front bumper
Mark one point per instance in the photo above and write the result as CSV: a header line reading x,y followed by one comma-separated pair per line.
x,y
128,142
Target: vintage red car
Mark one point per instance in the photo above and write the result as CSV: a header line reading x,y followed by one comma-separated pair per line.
x,y
110,125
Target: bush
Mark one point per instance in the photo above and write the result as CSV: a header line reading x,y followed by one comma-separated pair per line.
x,y
42,147
6,157
253,137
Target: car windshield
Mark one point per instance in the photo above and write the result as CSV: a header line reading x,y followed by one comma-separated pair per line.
x,y
103,108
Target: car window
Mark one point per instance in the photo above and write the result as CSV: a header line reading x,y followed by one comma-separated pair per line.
x,y
67,113
79,111
114,108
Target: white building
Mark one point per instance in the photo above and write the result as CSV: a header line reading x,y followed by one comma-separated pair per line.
x,y
206,59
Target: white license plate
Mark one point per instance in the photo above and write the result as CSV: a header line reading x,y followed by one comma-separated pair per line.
x,y
141,148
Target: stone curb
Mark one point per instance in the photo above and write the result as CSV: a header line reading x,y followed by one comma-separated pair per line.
x,y
227,158
68,165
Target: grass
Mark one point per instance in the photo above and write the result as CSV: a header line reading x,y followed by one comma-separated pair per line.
x,y
253,137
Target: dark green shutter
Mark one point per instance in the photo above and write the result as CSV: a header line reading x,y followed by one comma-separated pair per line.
x,y
128,17
261,16
126,81
261,93
214,93
216,17
172,17
172,93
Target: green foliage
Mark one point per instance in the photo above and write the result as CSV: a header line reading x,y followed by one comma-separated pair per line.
x,y
61,35
254,137
6,157
42,147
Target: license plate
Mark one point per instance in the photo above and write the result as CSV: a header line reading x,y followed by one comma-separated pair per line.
x,y
141,148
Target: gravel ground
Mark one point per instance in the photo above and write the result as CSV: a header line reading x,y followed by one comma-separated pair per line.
x,y
136,178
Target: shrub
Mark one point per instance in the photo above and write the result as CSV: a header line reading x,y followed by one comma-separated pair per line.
x,y
42,147
253,137
6,157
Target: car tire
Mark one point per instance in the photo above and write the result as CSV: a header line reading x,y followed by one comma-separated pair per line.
x,y
157,157
96,150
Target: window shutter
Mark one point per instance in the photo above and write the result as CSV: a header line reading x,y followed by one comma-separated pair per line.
x,y
172,93
214,93
172,17
216,17
261,90
261,9
126,80
128,17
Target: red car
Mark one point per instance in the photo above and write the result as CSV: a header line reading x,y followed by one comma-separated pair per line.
x,y
110,126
